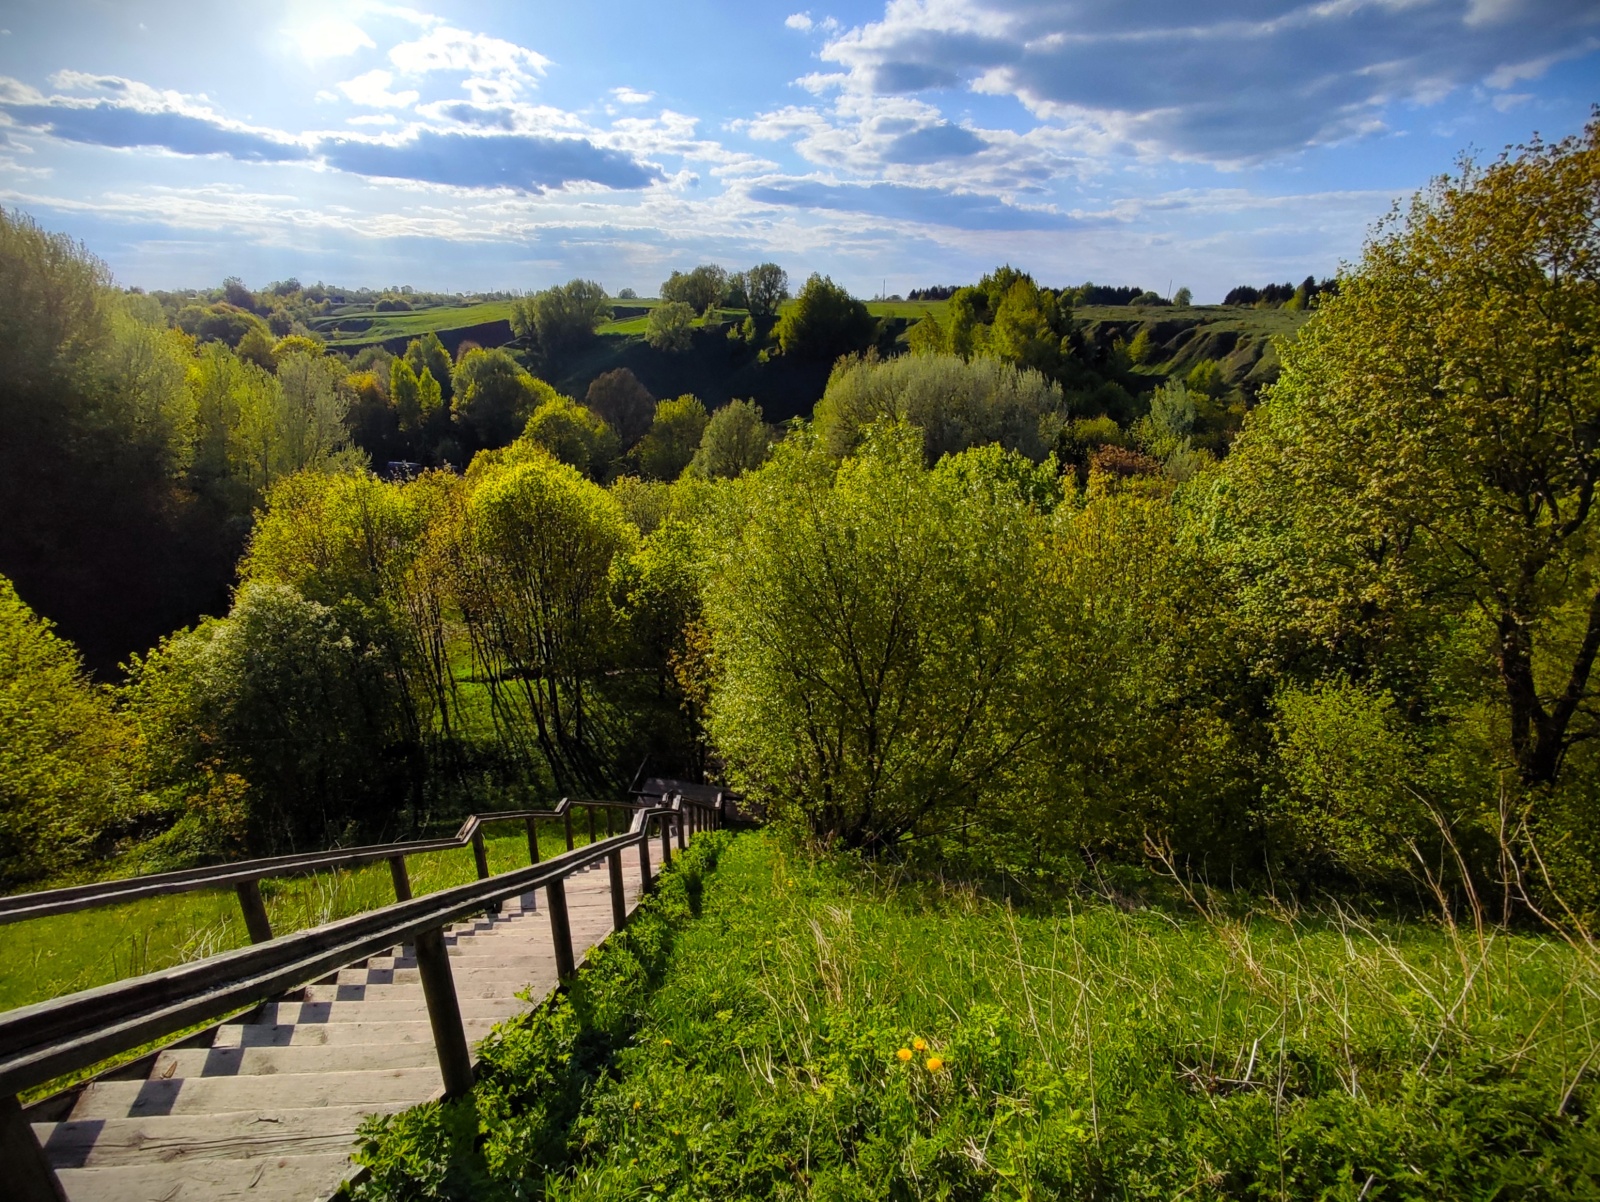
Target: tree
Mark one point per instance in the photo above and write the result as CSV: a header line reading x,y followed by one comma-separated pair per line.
x,y
825,322
954,403
536,547
702,289
494,397
64,755
766,287
573,434
1430,456
673,438
1140,348
873,629
561,319
1024,330
735,441
429,354
670,327
623,403
405,394
1183,297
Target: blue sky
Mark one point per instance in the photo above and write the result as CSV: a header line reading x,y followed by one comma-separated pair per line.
x,y
891,145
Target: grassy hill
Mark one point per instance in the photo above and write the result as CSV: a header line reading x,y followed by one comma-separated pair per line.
x,y
717,369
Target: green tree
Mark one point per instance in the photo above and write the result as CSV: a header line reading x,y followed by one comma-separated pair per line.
x,y
536,547
494,397
429,354
1024,329
735,441
1429,459
670,327
573,434
561,319
1140,348
1183,297
623,403
954,403
702,289
405,394
873,629
674,437
825,322
766,288
64,754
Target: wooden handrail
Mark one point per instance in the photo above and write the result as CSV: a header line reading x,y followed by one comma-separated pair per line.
x,y
20,906
47,1040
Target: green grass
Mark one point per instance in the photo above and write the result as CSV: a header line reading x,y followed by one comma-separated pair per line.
x,y
408,324
1087,1052
49,957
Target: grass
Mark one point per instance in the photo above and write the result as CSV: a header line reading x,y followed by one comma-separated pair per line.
x,y
50,957
404,324
1090,1051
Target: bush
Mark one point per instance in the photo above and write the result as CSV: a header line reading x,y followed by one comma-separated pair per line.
x,y
956,404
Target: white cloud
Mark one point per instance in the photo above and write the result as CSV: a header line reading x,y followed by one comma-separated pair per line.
x,y
329,37
445,48
1233,82
804,23
372,90
632,96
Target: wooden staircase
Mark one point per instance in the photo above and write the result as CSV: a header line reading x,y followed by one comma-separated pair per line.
x,y
267,1106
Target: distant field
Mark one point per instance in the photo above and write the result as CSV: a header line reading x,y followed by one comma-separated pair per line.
x,y
354,327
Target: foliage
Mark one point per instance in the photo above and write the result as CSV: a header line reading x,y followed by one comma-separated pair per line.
x,y
623,403
766,288
561,319
64,753
701,290
956,404
874,634
824,322
494,397
673,439
1417,471
735,441
670,327
573,434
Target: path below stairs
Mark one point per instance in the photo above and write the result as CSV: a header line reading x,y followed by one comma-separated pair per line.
x,y
268,1108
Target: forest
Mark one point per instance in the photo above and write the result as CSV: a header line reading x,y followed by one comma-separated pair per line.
x,y
1030,600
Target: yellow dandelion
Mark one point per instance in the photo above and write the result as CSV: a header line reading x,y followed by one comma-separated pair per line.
x,y
935,1064
668,1042
904,1054
636,1105
920,1044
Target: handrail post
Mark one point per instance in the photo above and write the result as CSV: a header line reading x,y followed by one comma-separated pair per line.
x,y
255,911
681,815
568,817
591,824
560,928
533,840
28,1170
402,878
444,1012
645,883
619,897
666,842
480,853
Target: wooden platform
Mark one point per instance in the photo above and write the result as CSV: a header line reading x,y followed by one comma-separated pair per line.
x,y
268,1108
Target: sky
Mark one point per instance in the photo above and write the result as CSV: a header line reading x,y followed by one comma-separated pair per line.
x,y
889,144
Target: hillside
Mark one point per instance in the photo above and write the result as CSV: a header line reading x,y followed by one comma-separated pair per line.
x,y
717,369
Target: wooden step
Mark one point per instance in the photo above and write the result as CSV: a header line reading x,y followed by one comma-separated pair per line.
x,y
189,1063
168,1139
262,1179
283,1035
386,1010
218,1095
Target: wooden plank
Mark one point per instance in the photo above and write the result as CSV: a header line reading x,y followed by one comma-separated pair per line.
x,y
393,1033
101,1143
264,1179
190,1063
219,1095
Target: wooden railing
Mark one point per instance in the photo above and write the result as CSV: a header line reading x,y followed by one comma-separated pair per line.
x,y
245,876
45,1041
